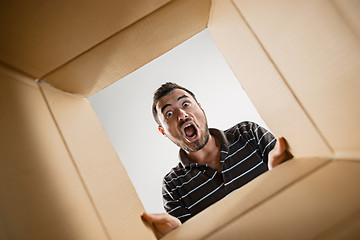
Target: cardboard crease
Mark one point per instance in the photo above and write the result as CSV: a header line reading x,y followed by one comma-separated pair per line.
x,y
74,163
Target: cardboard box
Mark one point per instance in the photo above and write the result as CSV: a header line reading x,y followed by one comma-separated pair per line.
x,y
299,62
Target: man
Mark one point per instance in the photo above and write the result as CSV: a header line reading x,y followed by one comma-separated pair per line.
x,y
213,163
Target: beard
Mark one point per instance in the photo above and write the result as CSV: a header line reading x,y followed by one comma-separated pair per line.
x,y
198,144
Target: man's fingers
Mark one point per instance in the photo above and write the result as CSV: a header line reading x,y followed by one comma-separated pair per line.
x,y
146,217
162,223
284,148
280,147
149,217
155,217
279,153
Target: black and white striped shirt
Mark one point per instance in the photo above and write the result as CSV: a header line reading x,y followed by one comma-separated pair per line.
x,y
191,187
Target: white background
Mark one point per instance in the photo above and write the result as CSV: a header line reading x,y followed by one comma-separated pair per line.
x,y
124,109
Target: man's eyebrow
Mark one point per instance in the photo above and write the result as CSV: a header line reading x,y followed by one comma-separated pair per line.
x,y
181,97
167,105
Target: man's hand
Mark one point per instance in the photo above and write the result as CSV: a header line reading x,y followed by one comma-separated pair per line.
x,y
279,153
163,223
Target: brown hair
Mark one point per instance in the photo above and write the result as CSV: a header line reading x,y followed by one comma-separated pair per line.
x,y
164,90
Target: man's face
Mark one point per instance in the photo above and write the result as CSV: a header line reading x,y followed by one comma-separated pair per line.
x,y
182,120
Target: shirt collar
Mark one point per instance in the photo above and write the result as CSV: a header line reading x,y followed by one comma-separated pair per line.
x,y
185,161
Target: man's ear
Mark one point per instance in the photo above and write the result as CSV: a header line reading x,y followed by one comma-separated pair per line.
x,y
201,107
161,130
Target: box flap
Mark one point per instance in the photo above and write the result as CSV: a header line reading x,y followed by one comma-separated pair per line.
x,y
315,46
41,193
263,82
40,36
324,203
103,174
131,48
247,198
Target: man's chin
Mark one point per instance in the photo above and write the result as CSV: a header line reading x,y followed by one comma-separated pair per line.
x,y
194,149
196,146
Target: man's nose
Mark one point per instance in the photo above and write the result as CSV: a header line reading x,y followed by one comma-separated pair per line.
x,y
182,115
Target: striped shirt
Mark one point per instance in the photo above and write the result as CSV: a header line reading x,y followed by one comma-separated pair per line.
x,y
191,187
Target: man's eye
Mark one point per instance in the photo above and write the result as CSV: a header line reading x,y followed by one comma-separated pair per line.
x,y
168,114
185,104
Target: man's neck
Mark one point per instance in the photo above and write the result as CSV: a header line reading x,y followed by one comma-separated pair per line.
x,y
209,154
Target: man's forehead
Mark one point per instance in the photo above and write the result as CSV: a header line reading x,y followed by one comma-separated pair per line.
x,y
172,97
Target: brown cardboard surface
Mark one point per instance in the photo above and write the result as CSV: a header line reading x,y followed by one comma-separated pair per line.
x,y
247,198
98,164
298,61
41,193
349,10
318,203
315,46
347,228
132,48
39,36
263,82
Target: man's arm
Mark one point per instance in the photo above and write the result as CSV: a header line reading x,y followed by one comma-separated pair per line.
x,y
279,153
163,223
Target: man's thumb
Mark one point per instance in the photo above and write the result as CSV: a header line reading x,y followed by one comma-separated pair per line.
x,y
152,217
280,146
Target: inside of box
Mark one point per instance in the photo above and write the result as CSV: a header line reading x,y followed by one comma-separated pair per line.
x,y
298,61
124,109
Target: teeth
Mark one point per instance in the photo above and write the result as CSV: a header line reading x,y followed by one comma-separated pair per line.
x,y
193,136
187,125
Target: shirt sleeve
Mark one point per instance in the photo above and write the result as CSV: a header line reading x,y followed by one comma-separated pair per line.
x,y
173,205
264,139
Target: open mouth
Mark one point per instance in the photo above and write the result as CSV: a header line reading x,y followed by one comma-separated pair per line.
x,y
190,131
